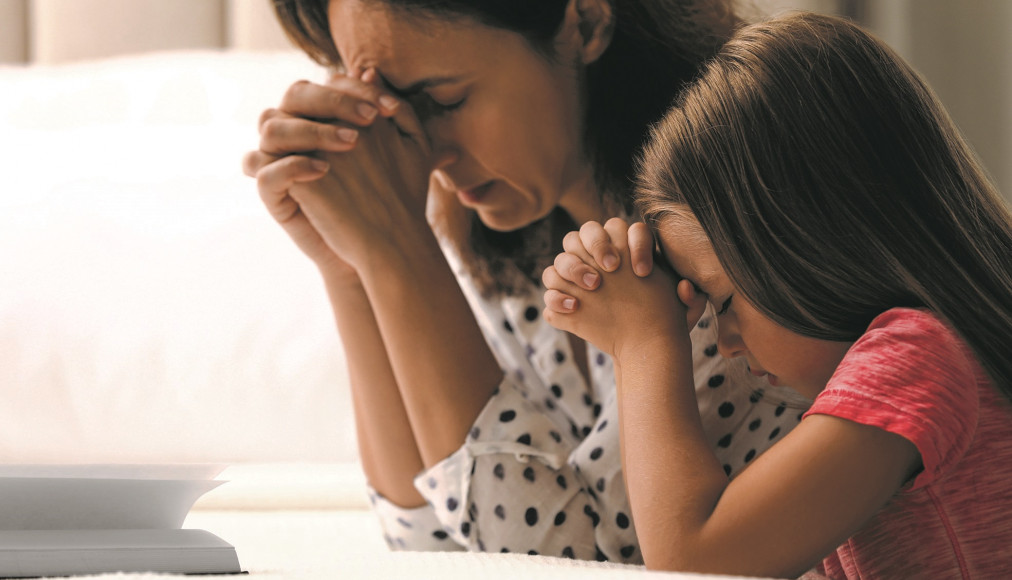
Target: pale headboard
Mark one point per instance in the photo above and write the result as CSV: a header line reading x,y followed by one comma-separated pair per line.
x,y
56,31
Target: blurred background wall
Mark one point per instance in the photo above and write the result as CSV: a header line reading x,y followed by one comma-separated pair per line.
x,y
963,48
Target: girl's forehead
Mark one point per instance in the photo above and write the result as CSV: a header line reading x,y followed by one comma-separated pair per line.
x,y
688,250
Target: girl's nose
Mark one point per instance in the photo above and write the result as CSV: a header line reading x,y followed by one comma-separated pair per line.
x,y
729,343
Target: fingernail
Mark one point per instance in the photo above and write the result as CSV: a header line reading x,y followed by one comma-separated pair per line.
x,y
319,165
366,110
347,135
641,270
569,303
589,280
609,262
388,102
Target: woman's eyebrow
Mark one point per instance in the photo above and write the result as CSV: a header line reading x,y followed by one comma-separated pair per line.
x,y
417,86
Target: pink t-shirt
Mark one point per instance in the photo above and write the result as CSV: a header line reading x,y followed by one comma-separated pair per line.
x,y
911,375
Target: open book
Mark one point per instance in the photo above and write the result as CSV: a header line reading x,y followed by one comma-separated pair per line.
x,y
62,520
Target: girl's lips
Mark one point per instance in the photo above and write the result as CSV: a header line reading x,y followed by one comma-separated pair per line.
x,y
474,195
773,380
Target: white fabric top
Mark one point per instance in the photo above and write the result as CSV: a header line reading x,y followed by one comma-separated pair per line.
x,y
541,471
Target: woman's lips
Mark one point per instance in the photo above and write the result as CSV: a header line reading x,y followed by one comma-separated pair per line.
x,y
474,195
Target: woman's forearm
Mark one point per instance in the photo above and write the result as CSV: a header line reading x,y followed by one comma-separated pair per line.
x,y
389,454
438,354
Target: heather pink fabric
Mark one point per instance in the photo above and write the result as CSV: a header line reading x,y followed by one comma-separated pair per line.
x,y
911,375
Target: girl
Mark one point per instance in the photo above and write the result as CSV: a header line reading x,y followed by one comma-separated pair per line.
x,y
480,426
811,189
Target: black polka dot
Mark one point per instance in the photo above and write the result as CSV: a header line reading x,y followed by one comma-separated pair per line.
x,y
627,551
602,425
587,400
557,391
439,535
561,480
472,512
601,359
596,453
465,529
475,432
432,483
593,515
726,409
750,455
715,381
531,314
404,522
500,512
481,545
599,555
531,516
532,552
622,520
529,474
567,552
725,441
504,550
499,471
755,424
780,409
559,356
560,518
451,504
507,416
597,410
585,431
506,324
574,429
800,415
600,485
703,323
710,350
549,404
555,436
525,439
774,433
756,396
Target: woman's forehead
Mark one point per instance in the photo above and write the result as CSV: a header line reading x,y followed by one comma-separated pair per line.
x,y
371,34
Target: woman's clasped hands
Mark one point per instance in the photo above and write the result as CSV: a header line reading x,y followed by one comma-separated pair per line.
x,y
606,289
344,168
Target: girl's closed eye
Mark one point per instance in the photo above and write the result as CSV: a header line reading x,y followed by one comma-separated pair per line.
x,y
725,306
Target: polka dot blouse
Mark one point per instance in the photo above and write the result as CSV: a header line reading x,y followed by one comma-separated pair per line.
x,y
540,471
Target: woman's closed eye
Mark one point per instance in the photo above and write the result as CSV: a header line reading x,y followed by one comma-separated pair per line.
x,y
426,106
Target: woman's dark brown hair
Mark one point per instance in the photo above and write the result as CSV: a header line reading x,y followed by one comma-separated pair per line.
x,y
657,46
833,186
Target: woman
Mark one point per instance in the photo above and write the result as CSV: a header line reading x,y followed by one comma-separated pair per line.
x,y
507,123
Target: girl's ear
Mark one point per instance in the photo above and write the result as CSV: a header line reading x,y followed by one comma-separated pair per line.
x,y
588,28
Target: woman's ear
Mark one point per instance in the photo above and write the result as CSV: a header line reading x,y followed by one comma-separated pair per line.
x,y
588,26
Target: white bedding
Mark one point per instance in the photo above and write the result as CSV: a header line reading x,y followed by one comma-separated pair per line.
x,y
150,310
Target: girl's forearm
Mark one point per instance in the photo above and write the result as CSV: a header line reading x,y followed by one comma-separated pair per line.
x,y
389,454
438,354
673,478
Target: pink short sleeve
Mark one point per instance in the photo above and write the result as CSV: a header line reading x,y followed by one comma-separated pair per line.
x,y
911,375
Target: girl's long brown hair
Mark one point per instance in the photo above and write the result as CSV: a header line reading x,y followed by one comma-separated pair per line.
x,y
833,186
